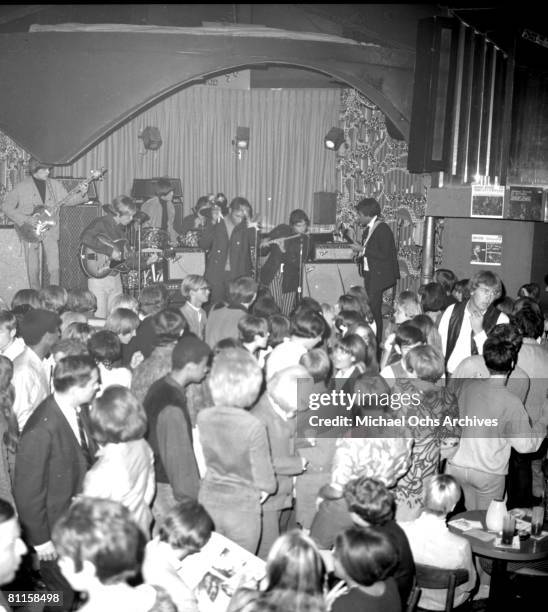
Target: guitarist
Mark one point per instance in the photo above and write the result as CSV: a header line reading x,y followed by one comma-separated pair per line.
x,y
40,190
101,235
282,269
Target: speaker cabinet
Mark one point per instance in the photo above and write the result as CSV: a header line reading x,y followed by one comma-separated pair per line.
x,y
325,208
326,282
72,222
186,261
14,271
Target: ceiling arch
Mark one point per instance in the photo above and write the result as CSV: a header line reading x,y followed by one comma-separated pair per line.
x,y
65,91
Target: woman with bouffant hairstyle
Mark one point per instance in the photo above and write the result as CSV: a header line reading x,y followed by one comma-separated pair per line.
x,y
124,469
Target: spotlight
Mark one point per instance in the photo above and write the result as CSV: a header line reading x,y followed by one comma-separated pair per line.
x,y
152,140
334,138
242,138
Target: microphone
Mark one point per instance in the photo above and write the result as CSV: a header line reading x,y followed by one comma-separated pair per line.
x,y
140,217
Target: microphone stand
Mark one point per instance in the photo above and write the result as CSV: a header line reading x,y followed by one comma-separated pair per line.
x,y
300,287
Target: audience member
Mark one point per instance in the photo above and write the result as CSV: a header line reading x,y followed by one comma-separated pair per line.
x,y
433,300
105,347
124,323
433,544
12,548
124,469
169,425
530,290
236,483
279,327
348,358
10,344
55,451
447,279
253,335
54,298
26,297
461,291
195,291
9,431
406,337
78,331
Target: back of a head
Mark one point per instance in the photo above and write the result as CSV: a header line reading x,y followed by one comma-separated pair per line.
x,y
105,347
7,511
530,290
446,278
425,362
235,378
104,533
169,324
441,493
295,563
346,319
153,298
53,297
530,322
81,300
370,500
279,327
408,334
242,290
369,207
265,306
366,555
250,326
307,324
317,363
308,303
186,526
25,297
500,356
189,349
508,332
433,297
287,387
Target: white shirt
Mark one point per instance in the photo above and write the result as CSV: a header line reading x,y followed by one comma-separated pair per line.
x,y
31,385
69,412
14,349
433,544
463,348
285,355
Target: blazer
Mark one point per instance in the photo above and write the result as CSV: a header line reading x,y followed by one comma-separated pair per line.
x,y
219,247
49,470
24,197
382,257
287,463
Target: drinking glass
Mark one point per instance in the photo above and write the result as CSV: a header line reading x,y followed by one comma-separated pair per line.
x,y
508,528
537,520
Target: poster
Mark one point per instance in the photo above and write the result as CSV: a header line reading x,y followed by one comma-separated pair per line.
x,y
487,201
526,203
486,250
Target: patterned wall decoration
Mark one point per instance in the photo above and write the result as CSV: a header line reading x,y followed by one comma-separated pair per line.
x,y
12,169
373,164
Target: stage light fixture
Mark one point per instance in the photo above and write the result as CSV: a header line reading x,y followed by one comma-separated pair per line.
x,y
334,139
242,138
152,140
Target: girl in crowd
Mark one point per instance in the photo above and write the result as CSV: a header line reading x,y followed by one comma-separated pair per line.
x,y
365,559
124,470
124,323
279,327
348,359
105,347
406,337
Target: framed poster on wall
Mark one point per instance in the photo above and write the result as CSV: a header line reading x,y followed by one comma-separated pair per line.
x,y
486,249
526,203
487,201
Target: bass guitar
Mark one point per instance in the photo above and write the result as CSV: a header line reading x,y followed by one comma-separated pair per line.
x,y
43,217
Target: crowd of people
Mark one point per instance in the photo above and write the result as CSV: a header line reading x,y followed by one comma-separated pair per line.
x,y
132,438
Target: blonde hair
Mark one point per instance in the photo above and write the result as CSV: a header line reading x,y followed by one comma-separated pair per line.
x,y
235,378
192,282
441,493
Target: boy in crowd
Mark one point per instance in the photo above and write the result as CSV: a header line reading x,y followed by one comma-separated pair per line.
x,y
196,292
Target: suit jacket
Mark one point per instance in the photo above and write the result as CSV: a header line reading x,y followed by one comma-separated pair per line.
x,y
219,247
49,470
382,258
24,197
287,463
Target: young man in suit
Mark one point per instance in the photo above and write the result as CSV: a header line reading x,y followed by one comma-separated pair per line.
x,y
40,190
226,240
378,256
54,453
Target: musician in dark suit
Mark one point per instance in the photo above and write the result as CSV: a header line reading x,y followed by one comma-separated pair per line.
x,y
226,240
378,256
54,453
40,190
282,269
99,236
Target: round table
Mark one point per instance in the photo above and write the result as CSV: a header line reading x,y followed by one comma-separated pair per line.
x,y
530,550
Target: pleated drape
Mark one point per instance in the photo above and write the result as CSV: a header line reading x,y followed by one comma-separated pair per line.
x,y
285,164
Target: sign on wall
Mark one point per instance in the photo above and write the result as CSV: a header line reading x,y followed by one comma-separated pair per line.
x,y
487,201
486,250
526,203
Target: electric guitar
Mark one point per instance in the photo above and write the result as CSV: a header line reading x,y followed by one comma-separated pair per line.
x,y
36,232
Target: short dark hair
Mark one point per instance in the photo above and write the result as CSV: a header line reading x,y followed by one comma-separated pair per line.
x,y
187,525
500,356
433,297
298,216
265,306
163,187
123,201
189,349
153,298
117,416
105,346
73,371
408,334
508,332
307,324
25,297
249,326
530,290
353,345
369,207
8,319
103,532
463,286
370,500
279,327
446,278
168,324
366,554
238,203
241,290
530,321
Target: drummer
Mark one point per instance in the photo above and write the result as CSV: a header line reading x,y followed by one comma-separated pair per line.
x,y
161,209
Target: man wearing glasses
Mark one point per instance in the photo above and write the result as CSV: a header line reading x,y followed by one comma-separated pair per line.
x,y
464,326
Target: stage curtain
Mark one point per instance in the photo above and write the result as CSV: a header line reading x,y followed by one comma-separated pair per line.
x,y
285,164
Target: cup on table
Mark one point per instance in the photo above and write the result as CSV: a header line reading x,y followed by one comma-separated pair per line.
x,y
508,528
537,520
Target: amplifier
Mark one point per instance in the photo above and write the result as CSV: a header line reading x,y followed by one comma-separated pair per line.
x,y
186,261
332,250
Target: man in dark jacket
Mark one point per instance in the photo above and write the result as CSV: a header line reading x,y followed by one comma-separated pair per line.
x,y
377,256
55,451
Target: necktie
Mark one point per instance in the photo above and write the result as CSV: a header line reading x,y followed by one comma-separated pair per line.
x,y
83,440
163,204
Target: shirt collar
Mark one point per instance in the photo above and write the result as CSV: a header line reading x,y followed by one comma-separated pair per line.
x,y
372,222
